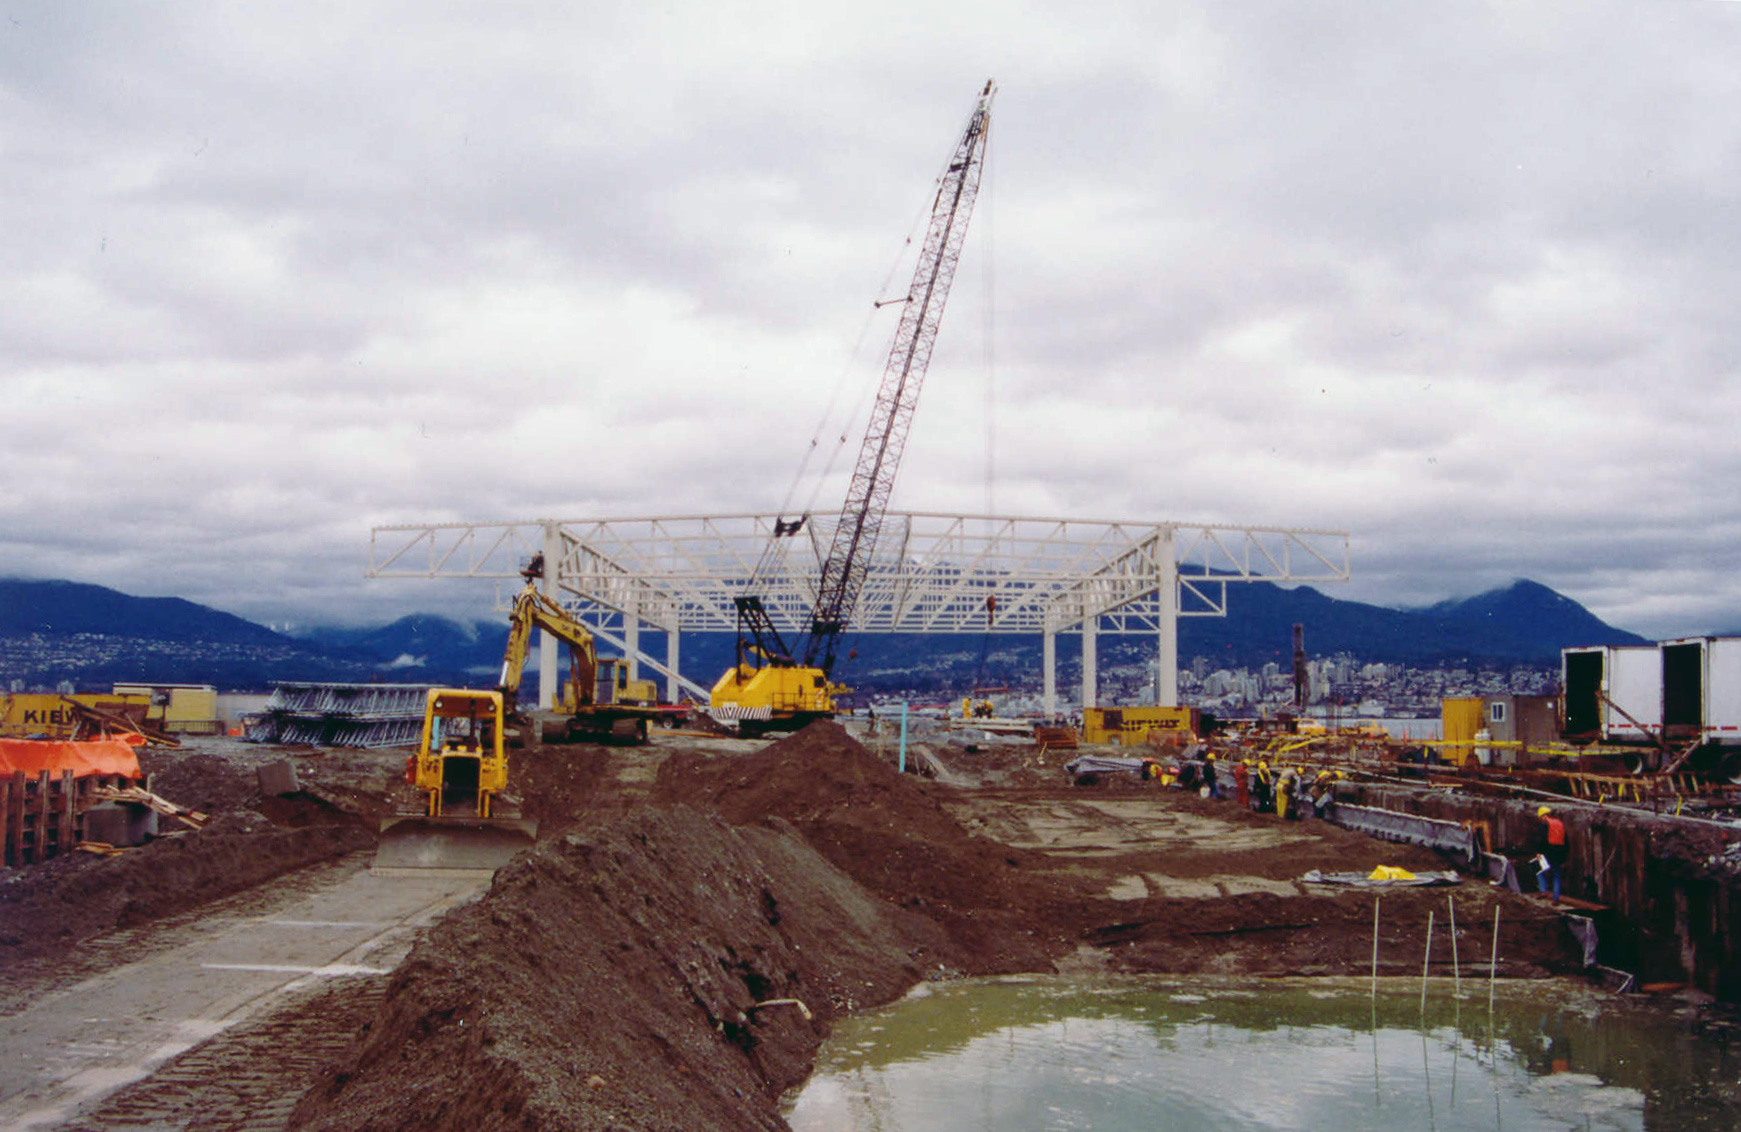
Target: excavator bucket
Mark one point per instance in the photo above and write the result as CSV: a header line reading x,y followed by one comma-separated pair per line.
x,y
415,843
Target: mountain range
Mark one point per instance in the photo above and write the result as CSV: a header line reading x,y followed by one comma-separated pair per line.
x,y
59,631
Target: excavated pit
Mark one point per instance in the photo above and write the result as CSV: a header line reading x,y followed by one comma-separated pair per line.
x,y
699,911
636,973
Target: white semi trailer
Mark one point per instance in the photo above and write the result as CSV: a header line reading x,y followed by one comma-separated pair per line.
x,y
1613,693
1671,695
1701,690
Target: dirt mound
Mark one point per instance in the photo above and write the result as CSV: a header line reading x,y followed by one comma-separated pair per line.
x,y
199,781
623,977
891,834
558,784
47,907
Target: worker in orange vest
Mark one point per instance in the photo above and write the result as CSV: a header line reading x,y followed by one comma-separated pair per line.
x,y
1554,852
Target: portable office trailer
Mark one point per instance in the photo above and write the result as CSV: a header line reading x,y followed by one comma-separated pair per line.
x,y
190,709
1526,720
1612,693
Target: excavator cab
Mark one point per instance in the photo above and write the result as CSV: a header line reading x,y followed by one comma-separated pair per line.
x,y
459,768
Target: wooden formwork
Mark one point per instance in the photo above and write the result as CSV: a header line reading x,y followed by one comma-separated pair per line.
x,y
43,815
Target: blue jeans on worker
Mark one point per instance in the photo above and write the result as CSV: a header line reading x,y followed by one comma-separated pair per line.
x,y
1541,879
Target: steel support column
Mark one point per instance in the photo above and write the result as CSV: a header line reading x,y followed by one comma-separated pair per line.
x,y
1167,623
1049,672
1090,677
547,642
632,643
673,689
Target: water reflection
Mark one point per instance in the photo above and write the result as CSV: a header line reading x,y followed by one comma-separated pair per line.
x,y
1057,1056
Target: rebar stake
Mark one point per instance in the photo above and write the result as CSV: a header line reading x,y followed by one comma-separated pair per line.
x,y
1375,903
1426,960
1456,972
1493,959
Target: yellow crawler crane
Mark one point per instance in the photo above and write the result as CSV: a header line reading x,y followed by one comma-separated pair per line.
x,y
458,770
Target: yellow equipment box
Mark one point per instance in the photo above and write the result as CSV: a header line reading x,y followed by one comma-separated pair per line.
x,y
1132,725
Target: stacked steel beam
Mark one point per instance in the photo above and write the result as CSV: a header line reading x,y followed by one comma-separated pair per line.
x,y
341,715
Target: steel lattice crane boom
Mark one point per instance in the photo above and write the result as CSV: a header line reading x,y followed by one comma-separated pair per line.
x,y
785,692
885,437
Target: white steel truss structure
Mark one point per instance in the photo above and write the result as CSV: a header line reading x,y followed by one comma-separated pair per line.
x,y
932,573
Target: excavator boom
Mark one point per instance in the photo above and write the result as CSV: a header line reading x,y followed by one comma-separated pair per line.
x,y
601,701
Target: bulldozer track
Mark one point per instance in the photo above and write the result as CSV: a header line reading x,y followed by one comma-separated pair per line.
x,y
248,1078
215,1020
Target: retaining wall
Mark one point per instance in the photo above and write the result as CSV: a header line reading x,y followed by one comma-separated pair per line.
x,y
1672,900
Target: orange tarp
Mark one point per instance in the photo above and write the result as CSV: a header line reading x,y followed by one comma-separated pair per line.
x,y
82,757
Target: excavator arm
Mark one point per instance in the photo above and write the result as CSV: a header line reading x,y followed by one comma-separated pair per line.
x,y
532,610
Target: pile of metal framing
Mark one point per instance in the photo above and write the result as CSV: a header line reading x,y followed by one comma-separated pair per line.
x,y
341,715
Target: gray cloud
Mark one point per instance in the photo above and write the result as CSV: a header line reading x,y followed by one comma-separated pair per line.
x,y
1456,277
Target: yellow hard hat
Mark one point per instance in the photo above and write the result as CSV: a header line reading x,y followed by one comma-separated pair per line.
x,y
1543,812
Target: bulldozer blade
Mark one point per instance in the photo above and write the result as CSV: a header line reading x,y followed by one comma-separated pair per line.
x,y
470,845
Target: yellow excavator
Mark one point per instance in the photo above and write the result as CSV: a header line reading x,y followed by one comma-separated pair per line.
x,y
458,770
602,703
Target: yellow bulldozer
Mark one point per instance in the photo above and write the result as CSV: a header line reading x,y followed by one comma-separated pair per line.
x,y
456,774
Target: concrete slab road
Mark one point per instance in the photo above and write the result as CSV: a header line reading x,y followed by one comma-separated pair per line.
x,y
76,1044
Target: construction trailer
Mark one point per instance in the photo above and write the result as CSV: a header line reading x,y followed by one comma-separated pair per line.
x,y
1669,700
1130,726
1530,721
1512,723
1701,691
188,709
1612,693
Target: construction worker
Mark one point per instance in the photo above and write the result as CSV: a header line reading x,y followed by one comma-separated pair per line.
x,y
1262,787
1324,794
1288,794
1554,852
1209,782
1242,783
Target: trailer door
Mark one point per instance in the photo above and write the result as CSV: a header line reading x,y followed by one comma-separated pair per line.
x,y
1683,689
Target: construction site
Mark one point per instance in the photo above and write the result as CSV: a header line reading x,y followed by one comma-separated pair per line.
x,y
638,897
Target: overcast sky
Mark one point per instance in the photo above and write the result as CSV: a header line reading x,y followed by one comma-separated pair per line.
x,y
1459,278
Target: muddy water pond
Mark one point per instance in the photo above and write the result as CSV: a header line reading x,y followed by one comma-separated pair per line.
x,y
1186,1056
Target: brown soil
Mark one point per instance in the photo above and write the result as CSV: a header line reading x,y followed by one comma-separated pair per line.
x,y
611,978
47,907
249,840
